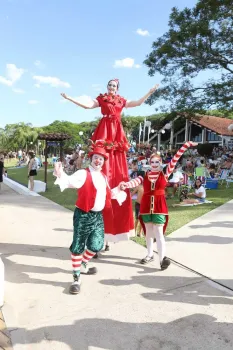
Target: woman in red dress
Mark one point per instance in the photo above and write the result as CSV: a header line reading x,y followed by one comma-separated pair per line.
x,y
109,133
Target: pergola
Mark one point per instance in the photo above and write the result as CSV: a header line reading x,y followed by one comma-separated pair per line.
x,y
50,140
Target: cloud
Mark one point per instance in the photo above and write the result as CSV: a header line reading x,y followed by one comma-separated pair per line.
x,y
13,74
142,32
18,91
126,63
33,102
52,81
37,86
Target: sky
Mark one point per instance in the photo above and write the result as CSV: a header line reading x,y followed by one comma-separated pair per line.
x,y
73,46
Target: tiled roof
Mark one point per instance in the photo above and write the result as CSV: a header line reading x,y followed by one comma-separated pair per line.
x,y
215,124
55,136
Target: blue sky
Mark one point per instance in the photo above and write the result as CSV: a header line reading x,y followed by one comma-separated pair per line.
x,y
74,46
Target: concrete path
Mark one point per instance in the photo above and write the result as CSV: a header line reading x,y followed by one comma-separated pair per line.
x,y
126,306
206,244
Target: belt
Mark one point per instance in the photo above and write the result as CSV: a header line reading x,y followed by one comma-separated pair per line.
x,y
159,192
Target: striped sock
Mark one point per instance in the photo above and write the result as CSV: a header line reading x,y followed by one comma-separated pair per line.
x,y
87,256
76,263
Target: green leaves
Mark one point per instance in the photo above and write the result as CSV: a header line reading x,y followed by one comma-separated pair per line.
x,y
199,40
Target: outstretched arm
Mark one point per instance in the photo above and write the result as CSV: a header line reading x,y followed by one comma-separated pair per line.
x,y
132,183
88,105
173,162
64,181
130,104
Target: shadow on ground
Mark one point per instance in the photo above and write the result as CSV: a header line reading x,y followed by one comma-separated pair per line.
x,y
203,239
197,331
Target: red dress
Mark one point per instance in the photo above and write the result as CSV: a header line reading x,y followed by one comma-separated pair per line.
x,y
153,199
118,222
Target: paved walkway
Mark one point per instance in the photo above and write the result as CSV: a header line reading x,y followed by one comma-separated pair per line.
x,y
206,244
125,306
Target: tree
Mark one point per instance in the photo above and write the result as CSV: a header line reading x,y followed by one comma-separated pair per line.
x,y
15,136
198,40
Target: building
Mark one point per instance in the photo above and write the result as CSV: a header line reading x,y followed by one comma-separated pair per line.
x,y
202,129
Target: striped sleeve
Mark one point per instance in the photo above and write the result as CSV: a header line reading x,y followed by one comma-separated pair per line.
x,y
135,182
173,162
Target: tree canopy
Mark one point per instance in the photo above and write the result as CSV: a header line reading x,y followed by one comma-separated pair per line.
x,y
198,44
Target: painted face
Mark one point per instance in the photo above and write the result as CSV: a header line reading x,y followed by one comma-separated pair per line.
x,y
97,161
155,164
112,87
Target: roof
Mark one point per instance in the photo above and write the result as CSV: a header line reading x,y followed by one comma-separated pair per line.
x,y
215,124
55,136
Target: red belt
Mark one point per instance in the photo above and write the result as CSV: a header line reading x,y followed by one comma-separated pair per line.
x,y
159,192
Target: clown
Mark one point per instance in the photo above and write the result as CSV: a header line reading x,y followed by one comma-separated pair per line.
x,y
94,195
153,208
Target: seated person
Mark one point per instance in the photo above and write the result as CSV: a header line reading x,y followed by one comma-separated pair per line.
x,y
199,195
176,179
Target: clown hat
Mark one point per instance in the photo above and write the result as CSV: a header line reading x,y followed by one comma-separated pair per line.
x,y
98,150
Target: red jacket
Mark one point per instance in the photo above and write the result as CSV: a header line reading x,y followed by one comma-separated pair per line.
x,y
153,199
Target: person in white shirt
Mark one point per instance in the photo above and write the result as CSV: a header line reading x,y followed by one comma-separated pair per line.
x,y
94,195
177,178
198,196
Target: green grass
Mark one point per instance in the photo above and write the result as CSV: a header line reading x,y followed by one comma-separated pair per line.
x,y
178,216
67,198
10,162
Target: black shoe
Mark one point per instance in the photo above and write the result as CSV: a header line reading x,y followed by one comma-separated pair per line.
x,y
147,260
85,270
165,263
96,256
107,248
75,286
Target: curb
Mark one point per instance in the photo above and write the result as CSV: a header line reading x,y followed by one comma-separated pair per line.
x,y
18,187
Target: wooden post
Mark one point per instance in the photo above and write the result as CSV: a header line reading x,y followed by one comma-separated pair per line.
x,y
186,130
61,151
190,132
46,163
203,136
172,135
159,142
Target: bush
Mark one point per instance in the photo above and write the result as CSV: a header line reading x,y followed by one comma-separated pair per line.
x,y
205,149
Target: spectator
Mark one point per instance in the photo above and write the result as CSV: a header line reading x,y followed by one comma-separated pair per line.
x,y
2,170
32,170
175,181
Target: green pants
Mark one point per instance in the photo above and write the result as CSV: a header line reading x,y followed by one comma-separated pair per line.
x,y
88,232
158,219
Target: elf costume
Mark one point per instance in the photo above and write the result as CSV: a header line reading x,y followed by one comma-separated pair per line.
x,y
94,196
153,208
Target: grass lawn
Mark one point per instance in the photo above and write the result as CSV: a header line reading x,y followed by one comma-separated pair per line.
x,y
8,163
178,216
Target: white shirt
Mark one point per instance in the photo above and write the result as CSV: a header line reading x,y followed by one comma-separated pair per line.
x,y
201,190
177,177
100,182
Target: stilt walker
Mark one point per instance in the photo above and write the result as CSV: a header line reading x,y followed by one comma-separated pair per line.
x,y
153,208
94,196
118,222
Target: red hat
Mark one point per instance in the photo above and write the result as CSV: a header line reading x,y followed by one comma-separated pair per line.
x,y
98,150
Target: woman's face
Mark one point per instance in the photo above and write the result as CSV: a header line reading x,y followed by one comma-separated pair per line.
x,y
155,164
112,87
198,183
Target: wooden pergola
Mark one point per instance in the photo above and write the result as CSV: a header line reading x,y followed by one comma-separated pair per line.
x,y
52,138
